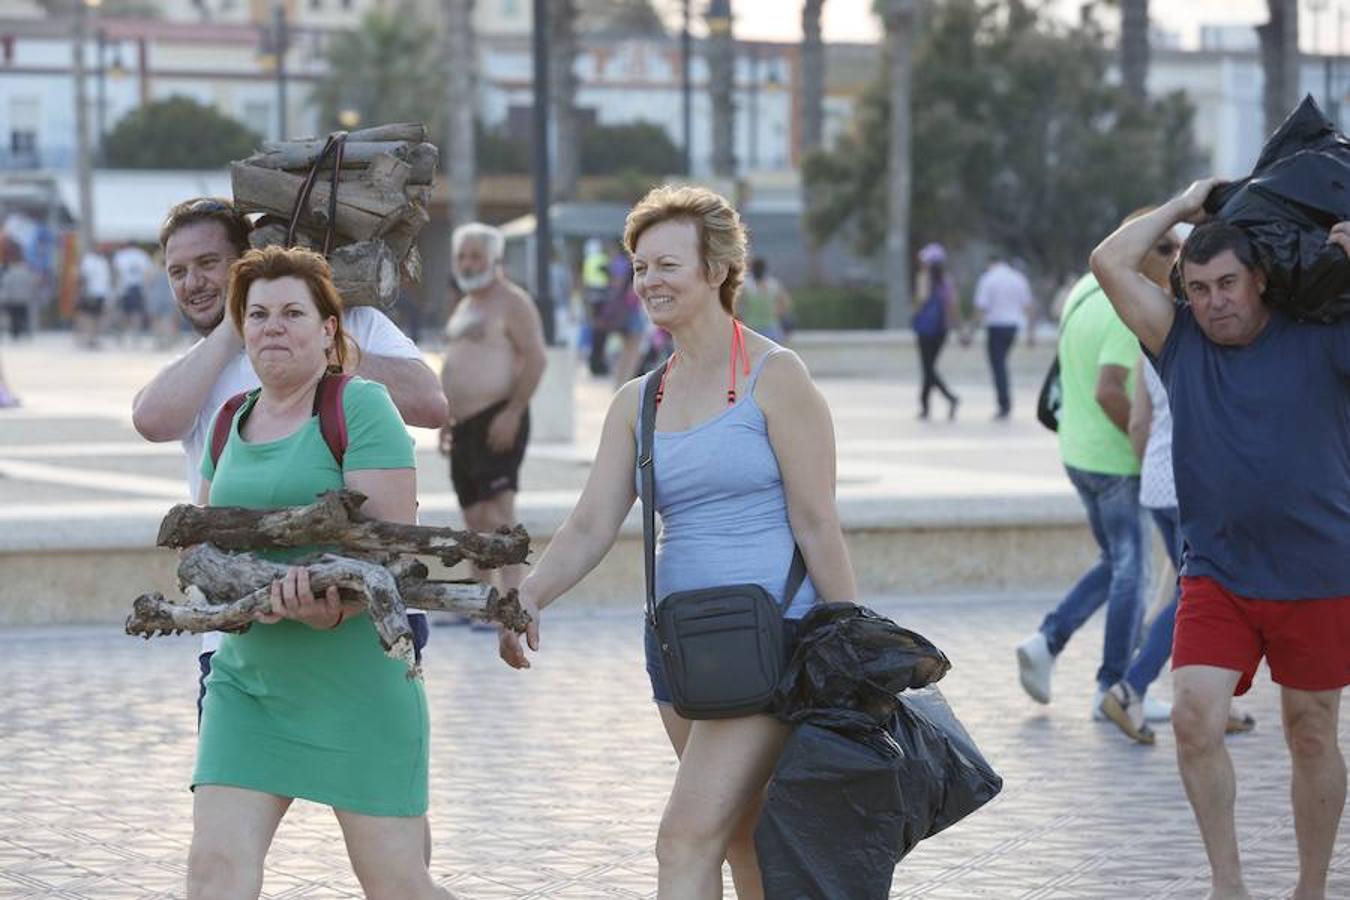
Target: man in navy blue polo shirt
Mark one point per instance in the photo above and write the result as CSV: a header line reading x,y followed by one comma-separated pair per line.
x,y
1261,451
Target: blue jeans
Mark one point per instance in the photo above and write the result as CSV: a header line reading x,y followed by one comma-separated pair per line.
x,y
999,340
1157,647
1112,503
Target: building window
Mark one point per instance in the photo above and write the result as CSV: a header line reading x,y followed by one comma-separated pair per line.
x,y
24,115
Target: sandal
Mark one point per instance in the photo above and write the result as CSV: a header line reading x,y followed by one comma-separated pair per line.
x,y
1239,723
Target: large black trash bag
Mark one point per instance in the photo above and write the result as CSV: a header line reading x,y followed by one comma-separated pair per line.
x,y
850,658
869,771
850,798
1299,189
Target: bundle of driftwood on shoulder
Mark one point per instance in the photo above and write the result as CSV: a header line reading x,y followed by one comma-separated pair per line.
x,y
363,206
225,586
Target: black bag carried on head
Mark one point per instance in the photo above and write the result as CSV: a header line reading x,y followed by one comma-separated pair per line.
x,y
722,648
1298,190
1051,397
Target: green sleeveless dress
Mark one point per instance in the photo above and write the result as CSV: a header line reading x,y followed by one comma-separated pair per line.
x,y
298,712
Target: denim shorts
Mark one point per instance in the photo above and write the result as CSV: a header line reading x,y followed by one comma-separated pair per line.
x,y
657,675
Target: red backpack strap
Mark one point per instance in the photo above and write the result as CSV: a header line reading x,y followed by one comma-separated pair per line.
x,y
332,417
220,434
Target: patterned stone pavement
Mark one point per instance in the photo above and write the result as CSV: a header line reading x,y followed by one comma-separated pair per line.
x,y
550,783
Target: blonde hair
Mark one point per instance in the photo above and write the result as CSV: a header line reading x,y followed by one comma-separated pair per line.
x,y
722,238
271,263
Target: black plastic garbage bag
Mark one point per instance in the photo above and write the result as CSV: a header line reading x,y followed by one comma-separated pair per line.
x,y
849,658
850,798
1299,189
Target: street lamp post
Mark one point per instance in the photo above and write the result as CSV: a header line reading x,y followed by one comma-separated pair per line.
x,y
543,238
101,79
275,40
282,37
686,91
83,176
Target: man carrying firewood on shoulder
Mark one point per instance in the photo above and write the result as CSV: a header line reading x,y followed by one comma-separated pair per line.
x,y
200,240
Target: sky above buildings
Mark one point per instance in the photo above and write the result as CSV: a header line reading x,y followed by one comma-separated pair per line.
x,y
852,20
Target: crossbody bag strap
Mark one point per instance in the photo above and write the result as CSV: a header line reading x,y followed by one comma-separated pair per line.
x,y
646,445
796,576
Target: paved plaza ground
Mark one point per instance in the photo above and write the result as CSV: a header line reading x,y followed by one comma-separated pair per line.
x,y
550,783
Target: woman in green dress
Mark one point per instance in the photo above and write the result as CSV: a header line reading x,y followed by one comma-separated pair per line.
x,y
305,703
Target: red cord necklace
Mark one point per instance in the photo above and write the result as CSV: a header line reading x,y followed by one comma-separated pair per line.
x,y
737,350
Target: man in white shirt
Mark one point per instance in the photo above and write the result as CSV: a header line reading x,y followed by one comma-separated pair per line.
x,y
200,240
130,265
95,286
1003,300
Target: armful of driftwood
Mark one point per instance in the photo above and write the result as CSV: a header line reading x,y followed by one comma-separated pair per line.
x,y
336,519
227,591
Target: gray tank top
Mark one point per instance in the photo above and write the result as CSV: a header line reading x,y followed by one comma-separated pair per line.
x,y
720,500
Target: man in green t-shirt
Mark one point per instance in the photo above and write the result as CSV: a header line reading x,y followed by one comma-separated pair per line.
x,y
1096,364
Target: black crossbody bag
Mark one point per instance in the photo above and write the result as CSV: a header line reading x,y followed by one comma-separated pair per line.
x,y
723,649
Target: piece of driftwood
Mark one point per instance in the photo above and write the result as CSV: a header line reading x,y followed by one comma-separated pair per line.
x,y
335,519
211,605
221,577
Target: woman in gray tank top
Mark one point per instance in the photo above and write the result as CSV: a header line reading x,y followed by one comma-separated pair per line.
x,y
746,468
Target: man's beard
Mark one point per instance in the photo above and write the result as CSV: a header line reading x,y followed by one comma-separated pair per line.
x,y
470,284
204,328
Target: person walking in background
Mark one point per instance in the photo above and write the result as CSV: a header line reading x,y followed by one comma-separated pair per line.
x,y
1097,355
746,451
765,306
936,315
21,296
1002,301
494,359
595,292
131,266
95,288
1260,406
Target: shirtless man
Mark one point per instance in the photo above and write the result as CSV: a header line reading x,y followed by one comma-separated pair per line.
x,y
493,363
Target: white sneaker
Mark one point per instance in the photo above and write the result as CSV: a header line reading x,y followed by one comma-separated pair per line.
x,y
1034,664
1156,710
1097,714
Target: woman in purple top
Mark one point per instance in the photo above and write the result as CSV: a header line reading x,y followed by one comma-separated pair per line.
x,y
937,313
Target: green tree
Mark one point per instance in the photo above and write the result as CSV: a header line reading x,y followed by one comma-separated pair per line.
x,y
641,148
1018,141
632,18
380,71
177,133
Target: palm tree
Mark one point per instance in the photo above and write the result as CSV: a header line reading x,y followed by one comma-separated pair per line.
x,y
563,89
899,18
1280,60
378,71
459,150
1134,47
721,82
813,77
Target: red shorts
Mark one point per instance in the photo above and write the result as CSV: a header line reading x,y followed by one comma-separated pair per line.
x,y
1306,642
